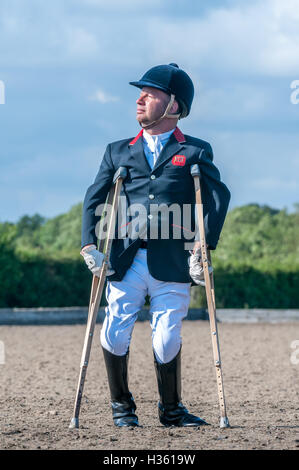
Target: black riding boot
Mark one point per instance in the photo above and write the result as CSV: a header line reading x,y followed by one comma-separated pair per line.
x,y
122,403
171,411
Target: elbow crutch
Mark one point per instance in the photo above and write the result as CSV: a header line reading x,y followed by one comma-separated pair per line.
x,y
97,290
210,294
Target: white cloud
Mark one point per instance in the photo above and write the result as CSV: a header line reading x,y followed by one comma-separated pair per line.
x,y
276,184
81,43
41,184
248,50
258,166
259,37
119,4
232,100
103,97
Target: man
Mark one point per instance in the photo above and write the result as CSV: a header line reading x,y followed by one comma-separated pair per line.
x,y
158,163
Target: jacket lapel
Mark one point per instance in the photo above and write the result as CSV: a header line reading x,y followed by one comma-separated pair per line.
x,y
174,145
137,158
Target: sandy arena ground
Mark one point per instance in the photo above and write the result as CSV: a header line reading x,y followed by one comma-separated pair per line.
x,y
39,379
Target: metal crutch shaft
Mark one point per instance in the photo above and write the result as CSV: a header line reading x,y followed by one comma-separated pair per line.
x,y
96,293
209,287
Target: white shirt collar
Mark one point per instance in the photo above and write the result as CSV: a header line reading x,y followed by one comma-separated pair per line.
x,y
153,140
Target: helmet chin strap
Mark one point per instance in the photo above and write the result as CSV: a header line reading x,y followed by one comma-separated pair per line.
x,y
165,114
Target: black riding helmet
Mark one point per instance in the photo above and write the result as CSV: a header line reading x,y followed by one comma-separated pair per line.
x,y
173,81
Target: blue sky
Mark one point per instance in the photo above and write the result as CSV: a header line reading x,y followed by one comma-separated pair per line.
x,y
66,67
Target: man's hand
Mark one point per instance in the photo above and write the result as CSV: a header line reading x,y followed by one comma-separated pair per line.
x,y
94,260
196,266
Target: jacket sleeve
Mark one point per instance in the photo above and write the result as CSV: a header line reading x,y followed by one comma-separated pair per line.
x,y
96,194
215,198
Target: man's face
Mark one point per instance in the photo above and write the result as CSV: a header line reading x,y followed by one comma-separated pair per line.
x,y
151,104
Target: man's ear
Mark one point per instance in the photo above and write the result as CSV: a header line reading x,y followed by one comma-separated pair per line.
x,y
174,108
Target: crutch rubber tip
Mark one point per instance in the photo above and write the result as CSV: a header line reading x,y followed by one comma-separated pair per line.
x,y
74,424
224,423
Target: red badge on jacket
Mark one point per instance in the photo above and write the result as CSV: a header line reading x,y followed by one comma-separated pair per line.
x,y
178,160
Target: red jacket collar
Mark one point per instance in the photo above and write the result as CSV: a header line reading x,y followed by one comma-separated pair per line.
x,y
136,138
177,134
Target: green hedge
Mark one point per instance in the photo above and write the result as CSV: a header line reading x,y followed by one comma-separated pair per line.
x,y
43,282
250,288
256,264
36,281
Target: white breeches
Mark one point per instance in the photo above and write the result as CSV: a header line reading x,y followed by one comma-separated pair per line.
x,y
169,302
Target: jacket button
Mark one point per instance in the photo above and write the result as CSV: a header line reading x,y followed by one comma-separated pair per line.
x,y
153,177
151,196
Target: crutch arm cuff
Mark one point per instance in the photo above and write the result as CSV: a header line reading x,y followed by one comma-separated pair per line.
x,y
120,173
195,170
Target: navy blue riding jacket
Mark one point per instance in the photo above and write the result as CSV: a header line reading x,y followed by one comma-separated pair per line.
x,y
168,183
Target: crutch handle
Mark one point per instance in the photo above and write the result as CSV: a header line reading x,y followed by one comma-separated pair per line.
x,y
195,170
120,173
